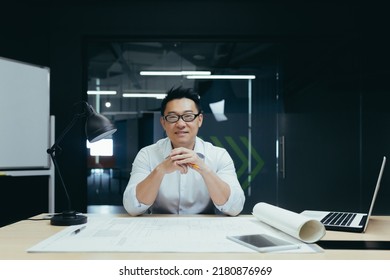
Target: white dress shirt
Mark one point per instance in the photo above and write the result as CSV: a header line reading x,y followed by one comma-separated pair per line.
x,y
183,193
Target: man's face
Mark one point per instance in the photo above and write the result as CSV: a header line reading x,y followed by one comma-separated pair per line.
x,y
181,133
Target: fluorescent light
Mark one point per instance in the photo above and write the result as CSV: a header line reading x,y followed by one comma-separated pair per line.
x,y
221,77
173,73
101,92
146,95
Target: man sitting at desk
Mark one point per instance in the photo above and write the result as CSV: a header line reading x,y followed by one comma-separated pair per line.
x,y
182,174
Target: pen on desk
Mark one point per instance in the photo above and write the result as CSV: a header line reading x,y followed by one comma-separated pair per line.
x,y
77,231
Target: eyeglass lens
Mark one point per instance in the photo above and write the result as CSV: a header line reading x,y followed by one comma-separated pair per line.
x,y
186,117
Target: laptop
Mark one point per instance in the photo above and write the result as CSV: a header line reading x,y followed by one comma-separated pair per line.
x,y
347,221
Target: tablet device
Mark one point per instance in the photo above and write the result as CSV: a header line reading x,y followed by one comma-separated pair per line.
x,y
263,242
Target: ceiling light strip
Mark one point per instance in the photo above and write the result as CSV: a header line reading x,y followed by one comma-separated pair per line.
x,y
222,77
144,95
101,92
173,73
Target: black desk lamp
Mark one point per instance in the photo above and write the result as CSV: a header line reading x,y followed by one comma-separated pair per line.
x,y
97,127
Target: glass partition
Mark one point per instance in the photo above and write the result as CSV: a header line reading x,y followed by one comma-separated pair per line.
x,y
301,120
237,83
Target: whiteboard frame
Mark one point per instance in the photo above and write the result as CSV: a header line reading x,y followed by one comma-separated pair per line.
x,y
24,115
12,109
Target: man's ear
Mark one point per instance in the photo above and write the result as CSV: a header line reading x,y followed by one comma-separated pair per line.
x,y
200,117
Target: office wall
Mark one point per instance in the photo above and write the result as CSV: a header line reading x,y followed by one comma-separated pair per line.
x,y
24,37
53,35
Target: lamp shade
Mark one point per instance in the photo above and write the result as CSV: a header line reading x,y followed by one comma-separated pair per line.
x,y
97,126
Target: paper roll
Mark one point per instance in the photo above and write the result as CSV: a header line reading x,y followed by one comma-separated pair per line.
x,y
294,224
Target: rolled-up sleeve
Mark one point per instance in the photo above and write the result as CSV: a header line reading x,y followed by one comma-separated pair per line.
x,y
139,172
131,203
227,172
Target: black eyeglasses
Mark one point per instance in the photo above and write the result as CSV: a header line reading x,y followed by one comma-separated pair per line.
x,y
172,118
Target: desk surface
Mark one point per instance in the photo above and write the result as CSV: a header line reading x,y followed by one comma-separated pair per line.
x,y
16,238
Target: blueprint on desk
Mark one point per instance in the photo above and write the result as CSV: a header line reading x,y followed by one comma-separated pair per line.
x,y
161,234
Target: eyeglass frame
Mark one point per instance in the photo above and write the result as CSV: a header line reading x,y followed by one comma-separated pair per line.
x,y
181,117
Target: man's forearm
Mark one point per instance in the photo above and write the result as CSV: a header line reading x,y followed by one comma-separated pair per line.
x,y
219,190
147,190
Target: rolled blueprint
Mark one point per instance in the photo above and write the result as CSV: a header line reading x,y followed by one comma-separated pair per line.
x,y
303,228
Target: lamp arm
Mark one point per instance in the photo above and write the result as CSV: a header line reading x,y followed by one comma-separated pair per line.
x,y
53,158
55,148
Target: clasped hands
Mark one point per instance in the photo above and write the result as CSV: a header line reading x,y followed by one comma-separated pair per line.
x,y
181,159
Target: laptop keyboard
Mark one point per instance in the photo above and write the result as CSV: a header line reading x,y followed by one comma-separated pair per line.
x,y
338,219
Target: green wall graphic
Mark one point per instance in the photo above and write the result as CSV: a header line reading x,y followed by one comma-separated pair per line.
x,y
238,149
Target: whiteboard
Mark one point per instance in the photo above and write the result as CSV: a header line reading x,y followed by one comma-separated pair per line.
x,y
24,115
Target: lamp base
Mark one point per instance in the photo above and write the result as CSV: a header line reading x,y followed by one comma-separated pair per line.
x,y
68,218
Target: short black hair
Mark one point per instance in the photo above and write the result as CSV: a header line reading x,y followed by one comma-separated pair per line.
x,y
178,93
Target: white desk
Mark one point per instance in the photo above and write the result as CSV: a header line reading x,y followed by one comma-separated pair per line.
x,y
16,238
